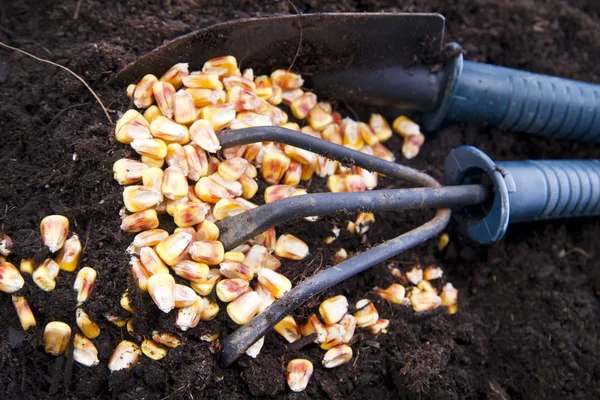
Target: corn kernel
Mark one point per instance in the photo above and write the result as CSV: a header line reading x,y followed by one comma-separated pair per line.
x,y
274,282
288,329
303,105
89,328
319,119
299,372
337,356
152,350
380,326
152,262
449,298
424,301
24,312
290,247
244,308
84,351
143,97
11,280
222,66
233,168
362,222
254,350
56,337
203,80
184,110
140,221
84,283
127,171
125,356
207,230
226,208
277,96
132,125
189,317
203,135
162,290
404,126
349,324
395,293
236,256
412,145
415,275
256,258
164,94
351,135
218,115
286,79
383,152
333,133
314,325
209,252
54,230
184,296
150,238
335,336
233,269
243,100
263,87
367,134
140,274
6,245
151,114
175,185
333,309
43,276
380,127
267,239
189,214
166,339
249,186
210,311
174,248
175,74
230,289
140,198
366,314
206,287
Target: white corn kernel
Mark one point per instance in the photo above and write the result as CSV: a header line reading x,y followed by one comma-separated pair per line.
x,y
233,269
84,283
254,350
299,372
183,107
162,290
189,317
337,356
333,309
164,93
127,171
175,74
244,308
424,301
395,293
210,252
143,97
125,356
286,79
184,296
152,262
449,298
290,247
415,275
191,270
404,126
11,280
218,115
44,275
380,326
175,185
84,351
132,125
366,314
335,336
256,257
380,127
314,325
230,289
349,324
151,237
54,230
431,273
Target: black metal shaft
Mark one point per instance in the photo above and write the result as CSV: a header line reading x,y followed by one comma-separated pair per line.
x,y
242,227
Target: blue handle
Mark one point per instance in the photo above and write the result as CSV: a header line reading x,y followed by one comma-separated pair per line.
x,y
523,191
518,101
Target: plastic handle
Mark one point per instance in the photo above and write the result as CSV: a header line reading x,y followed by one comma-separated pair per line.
x,y
523,191
518,101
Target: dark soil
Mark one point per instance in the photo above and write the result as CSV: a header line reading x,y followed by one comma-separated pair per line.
x,y
529,314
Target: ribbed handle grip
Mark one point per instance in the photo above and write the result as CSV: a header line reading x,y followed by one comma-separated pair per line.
x,y
525,102
552,189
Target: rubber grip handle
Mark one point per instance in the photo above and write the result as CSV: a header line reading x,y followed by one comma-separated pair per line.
x,y
525,102
552,189
523,191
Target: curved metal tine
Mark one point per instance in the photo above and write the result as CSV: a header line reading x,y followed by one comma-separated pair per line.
x,y
242,227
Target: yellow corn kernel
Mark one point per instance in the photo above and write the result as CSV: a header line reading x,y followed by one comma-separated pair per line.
x,y
233,168
325,166
299,372
190,214
362,222
132,125
153,148
86,325
290,247
443,241
140,221
286,79
140,274
11,280
54,230
222,66
369,178
210,311
68,257
412,145
249,186
431,273
84,283
274,166
143,97
404,126
207,230
288,329
166,339
340,256
189,317
335,336
26,266
84,351
184,110
293,174
233,269
174,248
164,94
366,314
175,74
367,134
267,239
152,262
233,187
130,89
395,293
162,290
380,127
196,161
176,157
184,296
319,119
300,155
256,258
243,100
351,135
205,97
349,324
139,198
277,96
24,312
191,270
415,275
230,289
170,131
152,350
424,301
314,325
218,115
274,282
209,252
380,326
43,276
244,308
336,183
126,355
236,256
152,113
254,350
125,303
333,309
303,105
264,89
383,152
174,185
333,133
6,246
152,162
337,356
355,183
307,171
203,135
449,298
226,208
203,80
150,238
56,337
